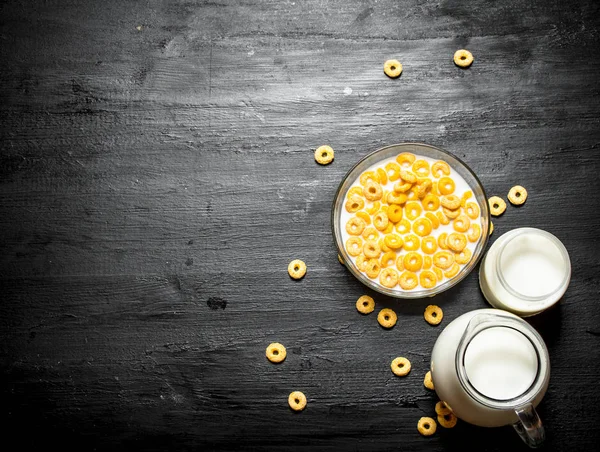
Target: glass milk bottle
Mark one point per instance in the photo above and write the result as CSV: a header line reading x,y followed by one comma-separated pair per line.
x,y
492,369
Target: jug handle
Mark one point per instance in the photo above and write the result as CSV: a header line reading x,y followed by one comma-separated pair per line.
x,y
529,427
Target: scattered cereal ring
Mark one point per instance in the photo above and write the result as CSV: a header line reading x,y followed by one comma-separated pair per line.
x,y
463,199
297,401
387,318
453,271
355,226
446,185
443,218
403,227
426,426
429,245
411,242
405,159
407,176
354,204
428,382
452,214
447,420
373,191
341,260
400,263
368,176
443,259
438,273
421,168
435,222
422,227
461,223
427,279
396,198
364,216
439,168
433,314
474,232
361,262
472,210
400,366
394,213
382,175
373,208
393,171
393,241
392,68
408,280
413,261
427,262
451,202
380,220
431,202
456,242
370,233
441,240
463,58
463,257
372,268
491,228
402,187
276,352
297,269
441,408
324,155
356,190
497,205
388,277
354,246
371,249
388,259
365,304
517,195
412,210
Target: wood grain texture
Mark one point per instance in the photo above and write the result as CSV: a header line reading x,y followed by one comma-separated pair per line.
x,y
156,177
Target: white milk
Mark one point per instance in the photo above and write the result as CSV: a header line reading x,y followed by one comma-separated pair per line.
x,y
501,363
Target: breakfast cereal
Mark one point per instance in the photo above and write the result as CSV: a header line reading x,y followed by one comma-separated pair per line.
x,y
297,269
517,195
297,401
426,426
324,155
392,68
276,352
400,366
365,304
463,58
433,314
387,318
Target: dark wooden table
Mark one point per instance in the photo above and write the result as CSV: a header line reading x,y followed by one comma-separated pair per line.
x,y
157,176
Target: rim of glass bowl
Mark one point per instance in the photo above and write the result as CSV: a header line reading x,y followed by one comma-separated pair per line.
x,y
426,150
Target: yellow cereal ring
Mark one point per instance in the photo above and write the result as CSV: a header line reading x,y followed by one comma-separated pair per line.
x,y
361,262
429,245
446,185
354,246
396,198
517,195
447,420
427,279
387,318
461,223
497,205
403,227
442,408
411,242
382,175
380,221
400,366
439,168
383,246
356,190
453,271
368,176
433,314
427,261
443,218
451,213
276,352
428,382
393,241
438,273
407,176
435,223
426,426
463,257
297,401
413,261
405,160
388,259
393,171
370,233
421,168
372,268
456,242
463,58
451,202
465,197
443,259
431,202
373,191
474,232
297,269
354,204
408,280
402,187
412,210
388,277
373,208
371,249
395,213
491,227
389,228
441,240
392,68
472,210
400,263
365,304
422,227
423,187
355,226
324,155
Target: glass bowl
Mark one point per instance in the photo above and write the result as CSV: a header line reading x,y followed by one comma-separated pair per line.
x,y
427,151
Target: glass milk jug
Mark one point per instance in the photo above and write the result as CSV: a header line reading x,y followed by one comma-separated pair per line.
x,y
492,369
